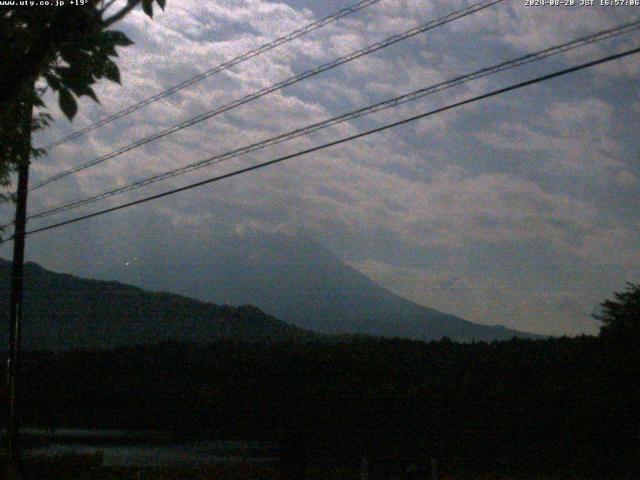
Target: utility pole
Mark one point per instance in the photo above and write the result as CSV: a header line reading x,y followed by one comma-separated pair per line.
x,y
17,276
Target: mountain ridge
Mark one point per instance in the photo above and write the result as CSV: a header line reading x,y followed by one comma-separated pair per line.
x,y
63,311
294,279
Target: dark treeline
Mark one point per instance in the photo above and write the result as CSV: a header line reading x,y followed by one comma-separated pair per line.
x,y
557,405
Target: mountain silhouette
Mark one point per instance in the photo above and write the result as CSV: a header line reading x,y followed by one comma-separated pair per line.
x,y
298,281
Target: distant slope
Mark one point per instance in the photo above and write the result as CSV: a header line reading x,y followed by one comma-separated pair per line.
x,y
301,283
62,311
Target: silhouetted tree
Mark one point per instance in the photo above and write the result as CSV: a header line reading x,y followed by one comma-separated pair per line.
x,y
621,317
70,49
621,335
66,50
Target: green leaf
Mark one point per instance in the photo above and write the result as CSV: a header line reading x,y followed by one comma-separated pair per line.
x,y
90,93
52,80
111,72
117,38
109,51
67,104
147,6
161,3
78,80
74,56
37,102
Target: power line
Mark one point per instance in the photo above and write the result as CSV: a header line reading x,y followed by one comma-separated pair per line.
x,y
344,140
217,69
386,104
277,86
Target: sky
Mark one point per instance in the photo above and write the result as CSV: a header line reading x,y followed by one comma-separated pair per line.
x,y
520,210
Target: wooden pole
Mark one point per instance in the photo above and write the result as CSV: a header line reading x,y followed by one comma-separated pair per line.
x,y
15,305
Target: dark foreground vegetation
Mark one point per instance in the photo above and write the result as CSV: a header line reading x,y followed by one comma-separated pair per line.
x,y
558,406
555,408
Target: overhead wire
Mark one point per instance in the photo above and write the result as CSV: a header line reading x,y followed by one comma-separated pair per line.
x,y
324,146
275,87
217,69
380,106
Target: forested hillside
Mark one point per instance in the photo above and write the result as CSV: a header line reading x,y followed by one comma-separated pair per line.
x,y
63,311
558,405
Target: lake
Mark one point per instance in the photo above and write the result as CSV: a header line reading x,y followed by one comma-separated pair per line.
x,y
131,448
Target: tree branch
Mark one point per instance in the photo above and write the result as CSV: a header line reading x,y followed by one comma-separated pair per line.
x,y
122,13
107,6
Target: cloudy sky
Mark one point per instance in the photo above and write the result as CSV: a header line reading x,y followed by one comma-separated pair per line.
x,y
520,210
